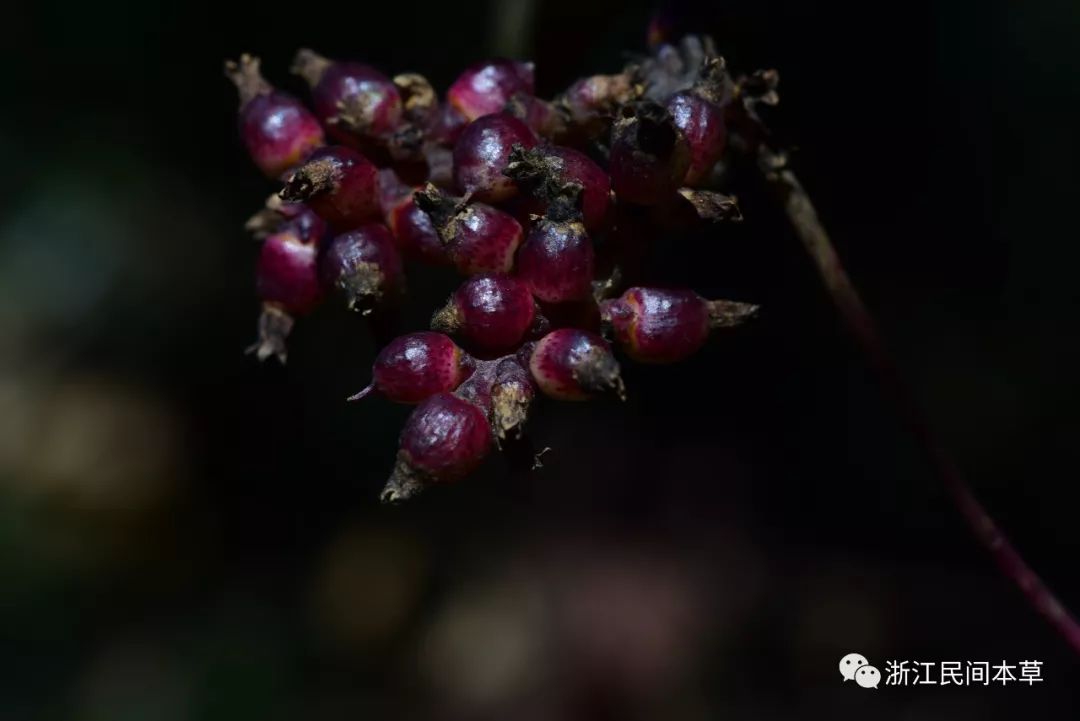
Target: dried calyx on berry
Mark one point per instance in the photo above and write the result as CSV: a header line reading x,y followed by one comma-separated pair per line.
x,y
482,152
339,184
589,105
573,365
356,102
277,130
479,238
287,281
543,171
276,214
364,267
698,113
659,325
649,155
557,260
443,440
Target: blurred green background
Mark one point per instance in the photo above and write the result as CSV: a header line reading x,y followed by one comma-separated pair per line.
x,y
187,535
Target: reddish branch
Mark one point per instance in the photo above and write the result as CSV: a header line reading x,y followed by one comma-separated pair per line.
x,y
800,211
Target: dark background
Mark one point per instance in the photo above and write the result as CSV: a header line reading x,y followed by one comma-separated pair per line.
x,y
187,535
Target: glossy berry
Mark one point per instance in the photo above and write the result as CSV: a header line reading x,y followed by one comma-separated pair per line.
x,y
443,440
353,100
700,119
481,155
416,366
557,260
287,281
276,128
364,267
572,365
657,325
339,184
491,312
545,169
479,238
649,155
486,87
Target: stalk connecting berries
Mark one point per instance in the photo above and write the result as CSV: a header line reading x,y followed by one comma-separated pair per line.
x,y
546,206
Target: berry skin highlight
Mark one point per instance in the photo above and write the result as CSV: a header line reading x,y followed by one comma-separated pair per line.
x,y
276,128
486,87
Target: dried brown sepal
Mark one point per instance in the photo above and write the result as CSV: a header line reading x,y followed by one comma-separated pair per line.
x,y
249,81
418,97
712,207
273,330
404,483
362,289
447,319
356,112
598,373
758,88
311,179
441,207
309,65
267,219
730,313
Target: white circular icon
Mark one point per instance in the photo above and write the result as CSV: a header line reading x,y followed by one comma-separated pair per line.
x,y
850,664
868,677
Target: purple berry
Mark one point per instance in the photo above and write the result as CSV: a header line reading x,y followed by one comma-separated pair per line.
x,y
277,130
482,152
364,267
486,87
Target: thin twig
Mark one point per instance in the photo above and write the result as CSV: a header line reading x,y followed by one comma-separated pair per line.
x,y
800,211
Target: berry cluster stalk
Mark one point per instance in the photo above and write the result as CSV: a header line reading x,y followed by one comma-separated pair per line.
x,y
804,219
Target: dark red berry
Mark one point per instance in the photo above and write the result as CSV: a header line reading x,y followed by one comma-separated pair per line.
x,y
479,238
657,325
545,119
482,152
698,114
416,366
287,272
545,169
339,184
486,87
287,281
557,260
572,365
276,128
413,230
355,101
649,156
364,267
447,125
444,439
492,312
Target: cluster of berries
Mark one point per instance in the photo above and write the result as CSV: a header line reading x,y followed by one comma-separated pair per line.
x,y
542,205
